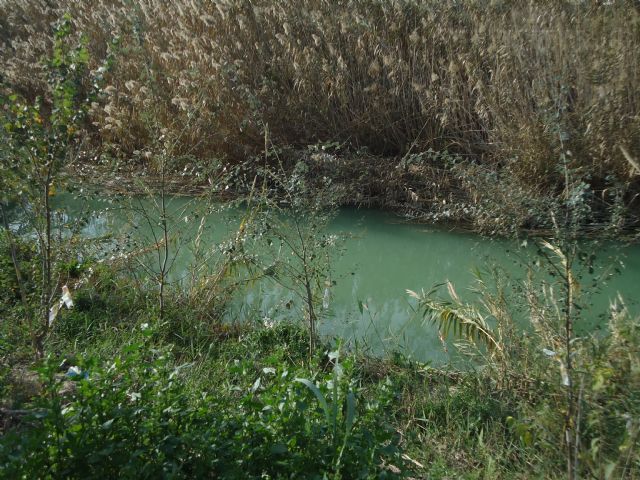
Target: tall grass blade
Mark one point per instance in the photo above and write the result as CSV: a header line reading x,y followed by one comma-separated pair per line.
x,y
321,400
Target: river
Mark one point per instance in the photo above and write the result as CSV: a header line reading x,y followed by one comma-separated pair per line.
x,y
380,257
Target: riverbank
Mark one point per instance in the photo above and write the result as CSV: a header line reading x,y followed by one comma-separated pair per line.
x,y
416,191
123,393
140,388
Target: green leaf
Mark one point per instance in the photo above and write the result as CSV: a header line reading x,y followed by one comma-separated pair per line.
x,y
278,449
321,400
459,319
82,56
256,385
107,425
351,412
609,469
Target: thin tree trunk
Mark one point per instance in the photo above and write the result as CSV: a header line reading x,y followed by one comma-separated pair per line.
x,y
45,247
14,258
165,235
312,315
570,426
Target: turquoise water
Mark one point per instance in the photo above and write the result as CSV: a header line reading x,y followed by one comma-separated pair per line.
x,y
377,259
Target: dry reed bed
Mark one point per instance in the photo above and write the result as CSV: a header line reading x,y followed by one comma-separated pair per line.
x,y
505,82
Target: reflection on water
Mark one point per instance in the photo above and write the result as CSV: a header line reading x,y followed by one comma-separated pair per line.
x,y
381,259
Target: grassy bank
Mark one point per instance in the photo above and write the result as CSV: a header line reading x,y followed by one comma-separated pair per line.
x,y
501,96
122,393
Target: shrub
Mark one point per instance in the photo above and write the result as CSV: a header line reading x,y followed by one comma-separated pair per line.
x,y
134,417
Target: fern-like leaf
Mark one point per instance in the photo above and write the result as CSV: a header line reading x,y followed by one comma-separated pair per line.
x,y
456,318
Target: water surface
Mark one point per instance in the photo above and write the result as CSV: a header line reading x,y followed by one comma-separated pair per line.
x,y
380,258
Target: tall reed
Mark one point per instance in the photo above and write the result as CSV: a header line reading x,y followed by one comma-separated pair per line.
x,y
496,80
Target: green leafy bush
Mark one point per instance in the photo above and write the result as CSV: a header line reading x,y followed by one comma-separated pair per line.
x,y
134,417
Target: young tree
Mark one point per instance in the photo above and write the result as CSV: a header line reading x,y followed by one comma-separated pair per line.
x,y
40,137
292,219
